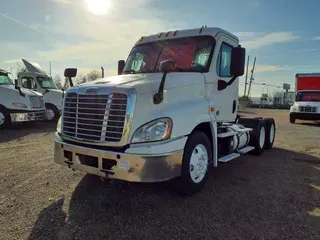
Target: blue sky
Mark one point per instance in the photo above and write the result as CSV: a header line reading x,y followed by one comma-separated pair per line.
x,y
281,34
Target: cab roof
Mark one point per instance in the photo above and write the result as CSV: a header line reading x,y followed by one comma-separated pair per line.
x,y
4,71
211,31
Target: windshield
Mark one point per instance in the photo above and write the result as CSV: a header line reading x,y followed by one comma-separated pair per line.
x,y
5,80
191,54
46,83
312,96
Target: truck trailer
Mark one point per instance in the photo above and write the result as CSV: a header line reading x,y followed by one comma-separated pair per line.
x,y
17,104
170,114
307,101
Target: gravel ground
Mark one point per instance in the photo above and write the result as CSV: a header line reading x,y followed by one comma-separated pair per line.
x,y
274,196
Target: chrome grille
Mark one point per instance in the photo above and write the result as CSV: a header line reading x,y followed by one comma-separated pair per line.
x,y
98,118
308,109
37,101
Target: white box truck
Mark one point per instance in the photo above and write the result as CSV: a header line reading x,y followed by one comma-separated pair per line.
x,y
38,80
17,104
307,102
171,113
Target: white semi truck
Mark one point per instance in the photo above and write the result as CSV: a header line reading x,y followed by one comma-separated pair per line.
x,y
17,104
38,80
171,113
307,102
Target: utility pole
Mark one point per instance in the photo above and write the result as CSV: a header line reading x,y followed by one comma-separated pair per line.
x,y
251,78
246,83
50,68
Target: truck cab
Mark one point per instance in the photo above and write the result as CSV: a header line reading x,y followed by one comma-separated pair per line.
x,y
17,104
307,101
37,80
171,113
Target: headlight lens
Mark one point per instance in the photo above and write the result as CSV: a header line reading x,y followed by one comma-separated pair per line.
x,y
19,105
59,125
156,130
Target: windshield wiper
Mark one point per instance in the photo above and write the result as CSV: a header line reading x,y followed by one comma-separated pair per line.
x,y
129,71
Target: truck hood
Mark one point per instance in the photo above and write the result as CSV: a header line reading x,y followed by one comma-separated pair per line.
x,y
26,91
311,104
56,91
147,83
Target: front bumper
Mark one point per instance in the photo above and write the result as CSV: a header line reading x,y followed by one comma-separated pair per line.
x,y
27,116
305,116
118,165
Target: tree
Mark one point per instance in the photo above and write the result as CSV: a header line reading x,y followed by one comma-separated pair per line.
x,y
93,75
81,78
58,81
66,84
21,68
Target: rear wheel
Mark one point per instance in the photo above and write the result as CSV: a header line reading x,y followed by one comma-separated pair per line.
x,y
258,135
270,132
196,159
5,119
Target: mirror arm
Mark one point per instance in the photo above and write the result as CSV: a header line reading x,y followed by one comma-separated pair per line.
x,y
46,91
70,81
158,97
231,80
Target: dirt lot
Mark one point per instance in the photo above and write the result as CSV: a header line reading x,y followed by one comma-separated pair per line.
x,y
275,196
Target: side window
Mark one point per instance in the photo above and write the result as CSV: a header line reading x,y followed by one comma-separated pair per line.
x,y
224,61
28,82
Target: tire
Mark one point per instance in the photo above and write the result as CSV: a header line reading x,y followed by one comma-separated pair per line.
x,y
256,139
270,132
197,144
5,118
51,113
292,119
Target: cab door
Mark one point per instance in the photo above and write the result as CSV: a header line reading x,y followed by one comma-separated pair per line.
x,y
226,100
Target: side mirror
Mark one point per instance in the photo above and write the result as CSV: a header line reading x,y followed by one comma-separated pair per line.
x,y
222,85
167,66
238,57
70,72
121,64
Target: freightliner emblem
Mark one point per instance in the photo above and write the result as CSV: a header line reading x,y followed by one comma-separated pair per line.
x,y
91,90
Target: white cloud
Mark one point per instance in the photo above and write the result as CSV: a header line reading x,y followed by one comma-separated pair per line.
x,y
316,38
62,1
270,68
246,34
269,39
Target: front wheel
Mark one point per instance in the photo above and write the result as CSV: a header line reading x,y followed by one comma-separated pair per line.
x,y
196,159
292,119
51,113
5,118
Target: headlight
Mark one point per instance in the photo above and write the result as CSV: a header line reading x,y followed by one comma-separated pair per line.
x,y
293,109
19,105
59,125
156,130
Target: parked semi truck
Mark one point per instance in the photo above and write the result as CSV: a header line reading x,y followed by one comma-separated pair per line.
x,y
307,102
171,113
17,104
38,80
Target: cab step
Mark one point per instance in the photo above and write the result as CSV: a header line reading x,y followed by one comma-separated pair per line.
x,y
229,157
245,150
232,156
